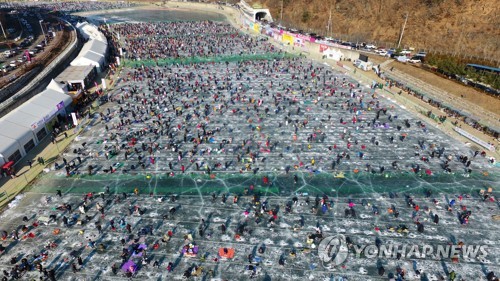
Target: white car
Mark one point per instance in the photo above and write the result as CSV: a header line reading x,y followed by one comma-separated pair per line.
x,y
405,52
414,60
383,53
370,46
6,68
9,53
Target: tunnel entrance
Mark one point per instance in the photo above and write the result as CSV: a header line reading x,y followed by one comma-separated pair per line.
x,y
260,16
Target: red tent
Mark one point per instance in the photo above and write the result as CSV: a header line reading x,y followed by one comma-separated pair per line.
x,y
8,168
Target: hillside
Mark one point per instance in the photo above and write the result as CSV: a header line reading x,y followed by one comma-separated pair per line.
x,y
461,27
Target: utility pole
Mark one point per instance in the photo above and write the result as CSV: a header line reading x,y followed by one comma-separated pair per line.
x,y
402,31
328,32
43,31
3,31
281,13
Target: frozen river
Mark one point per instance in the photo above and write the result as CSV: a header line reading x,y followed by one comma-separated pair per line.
x,y
263,157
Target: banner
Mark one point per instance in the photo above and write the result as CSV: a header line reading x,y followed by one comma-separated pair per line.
x,y
60,105
37,124
287,39
75,121
256,27
303,37
490,147
298,42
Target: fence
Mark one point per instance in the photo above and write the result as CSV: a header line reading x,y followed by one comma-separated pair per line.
x,y
189,60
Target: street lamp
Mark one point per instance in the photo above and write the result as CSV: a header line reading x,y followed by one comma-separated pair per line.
x,y
44,37
3,31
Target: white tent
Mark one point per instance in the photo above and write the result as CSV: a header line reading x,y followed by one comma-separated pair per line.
x,y
58,87
54,96
23,136
24,116
94,51
89,58
25,126
90,31
95,46
333,54
8,147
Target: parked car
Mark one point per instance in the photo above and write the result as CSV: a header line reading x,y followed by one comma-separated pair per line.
x,y
13,63
383,53
6,68
9,53
370,46
25,43
415,60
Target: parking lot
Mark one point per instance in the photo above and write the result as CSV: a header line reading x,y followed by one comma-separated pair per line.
x,y
26,45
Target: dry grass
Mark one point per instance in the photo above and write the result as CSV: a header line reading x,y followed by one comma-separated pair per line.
x,y
487,102
446,26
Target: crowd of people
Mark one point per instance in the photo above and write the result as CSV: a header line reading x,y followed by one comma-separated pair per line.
x,y
262,116
285,116
244,235
71,6
174,40
172,29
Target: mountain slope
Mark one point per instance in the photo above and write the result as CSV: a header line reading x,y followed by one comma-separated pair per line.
x,y
461,27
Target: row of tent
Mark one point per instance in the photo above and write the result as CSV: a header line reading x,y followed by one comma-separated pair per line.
x,y
26,126
23,128
94,51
